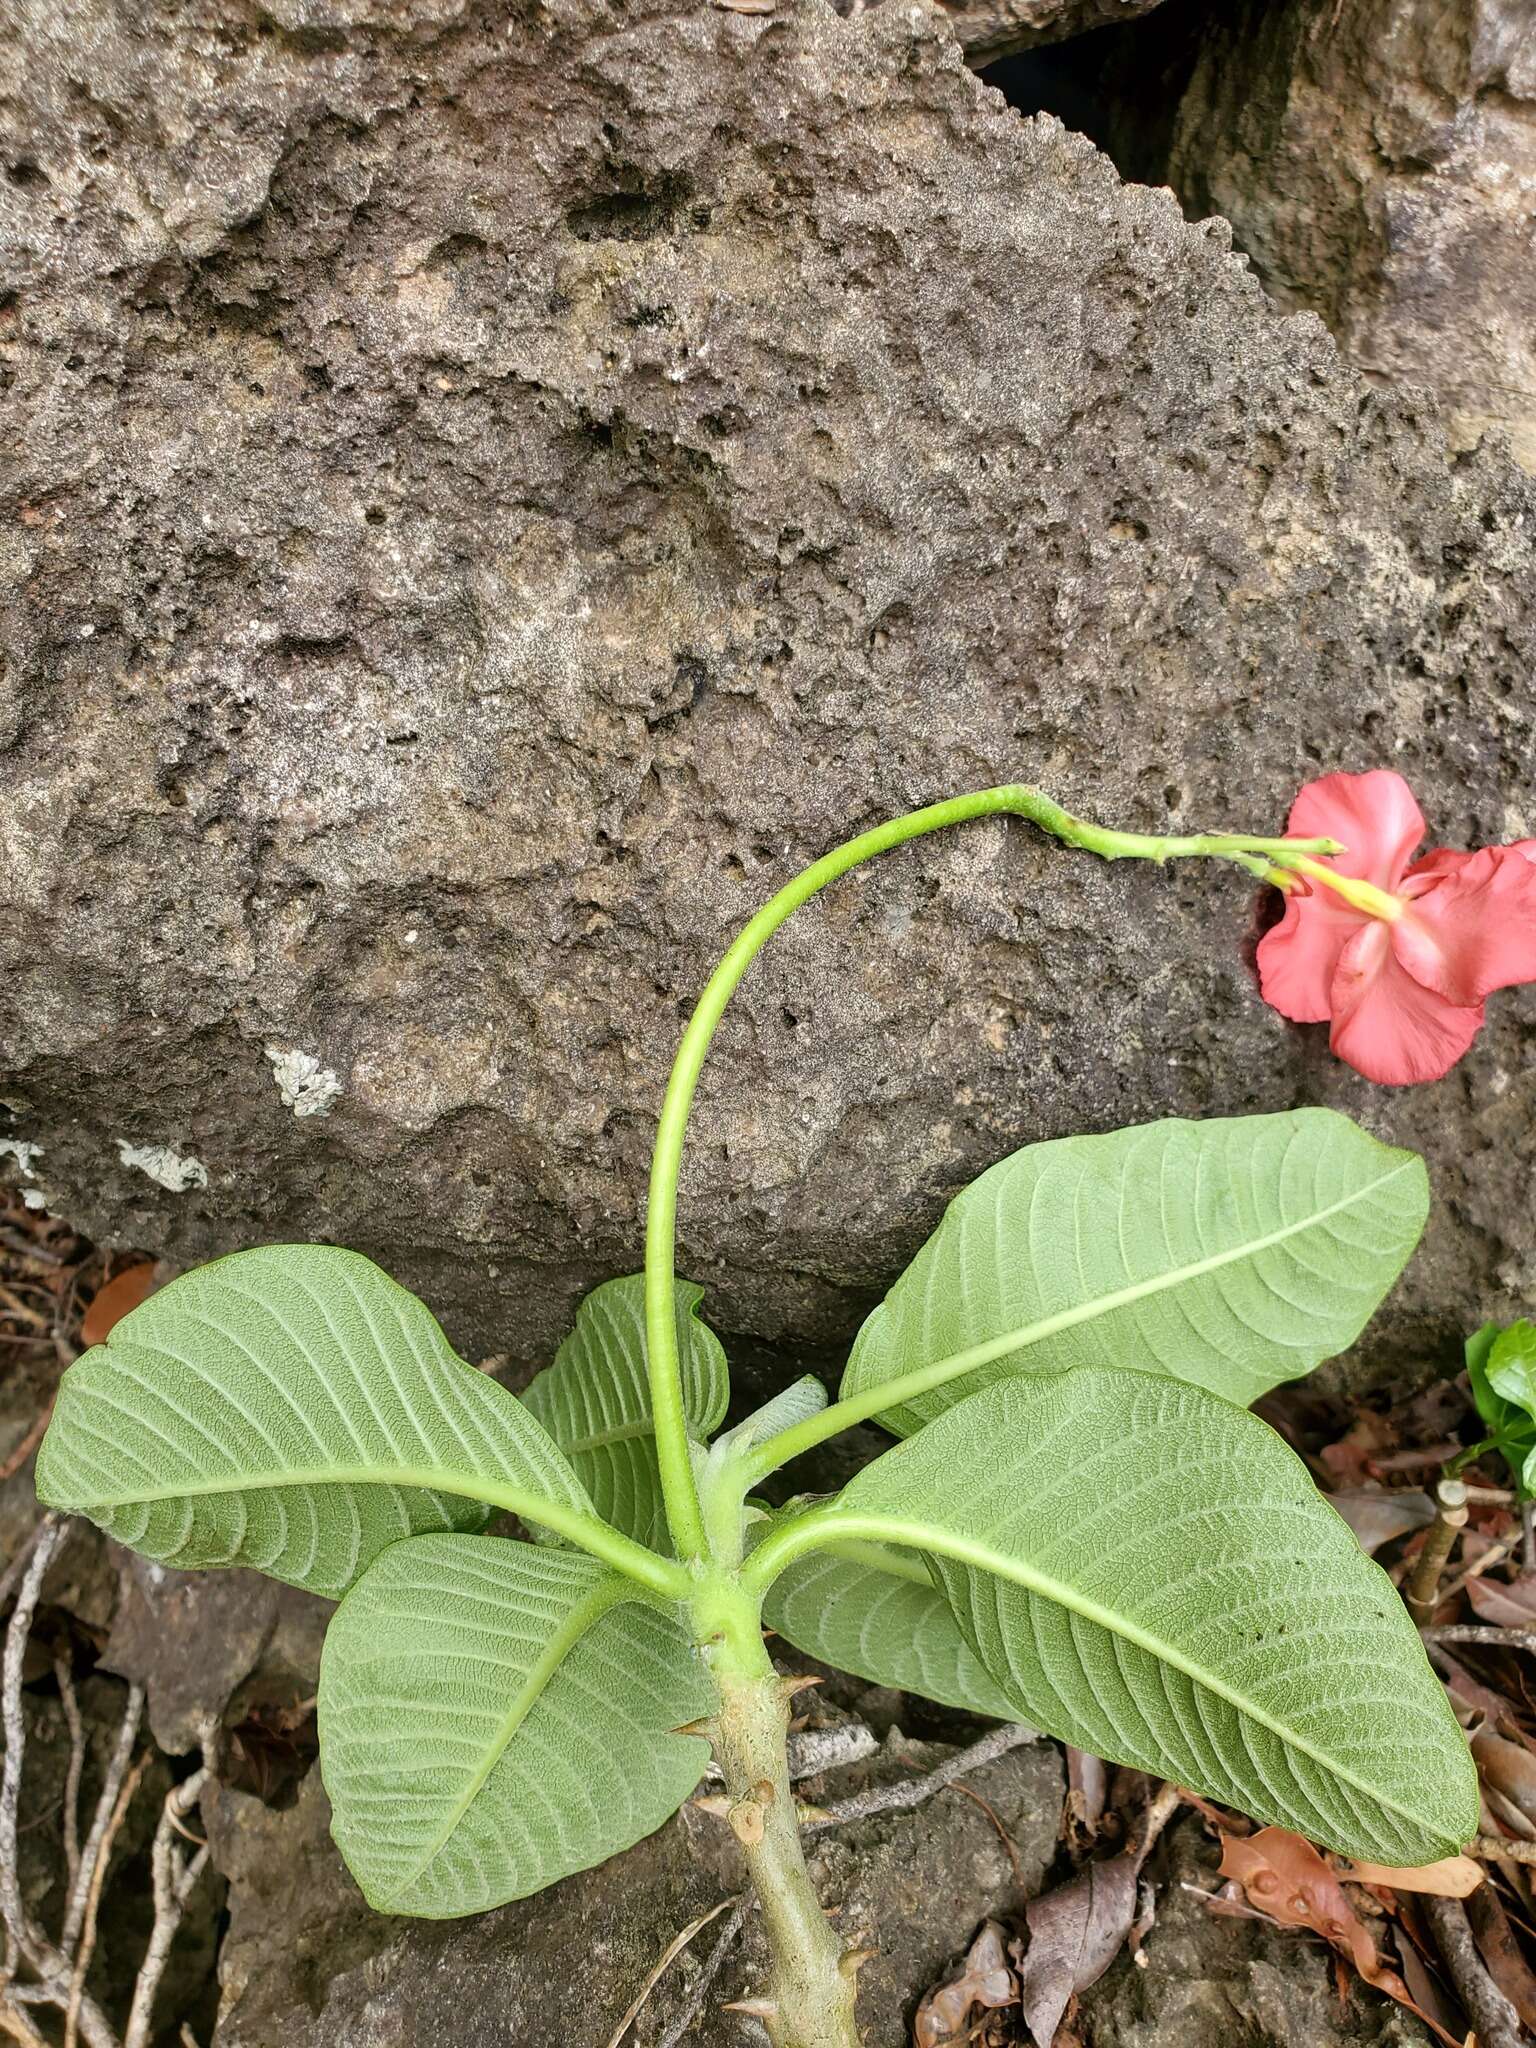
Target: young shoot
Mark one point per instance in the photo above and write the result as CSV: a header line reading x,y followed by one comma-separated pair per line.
x,y
1081,1527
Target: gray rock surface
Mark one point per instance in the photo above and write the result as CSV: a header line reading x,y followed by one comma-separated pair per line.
x,y
564,1966
490,493
989,29
1377,159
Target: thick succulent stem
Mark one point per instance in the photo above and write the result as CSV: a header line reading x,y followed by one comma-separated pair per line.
x,y
809,1998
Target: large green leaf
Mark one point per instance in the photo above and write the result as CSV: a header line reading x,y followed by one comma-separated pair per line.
x,y
493,1718
595,1401
876,1612
1149,1573
1233,1253
290,1408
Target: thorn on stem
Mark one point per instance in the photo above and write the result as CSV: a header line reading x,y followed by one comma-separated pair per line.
x,y
754,2008
788,1687
853,1960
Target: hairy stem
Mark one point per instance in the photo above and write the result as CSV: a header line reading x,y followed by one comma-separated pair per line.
x,y
1256,855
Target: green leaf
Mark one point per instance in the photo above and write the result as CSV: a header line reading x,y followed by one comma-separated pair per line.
x,y
1233,1254
1501,1365
875,1612
496,1715
290,1408
1511,1366
1150,1574
595,1401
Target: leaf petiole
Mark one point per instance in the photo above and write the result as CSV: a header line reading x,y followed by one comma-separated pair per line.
x,y
685,1515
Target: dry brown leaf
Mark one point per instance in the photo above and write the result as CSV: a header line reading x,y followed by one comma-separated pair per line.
x,y
1287,1878
1454,1877
1507,1768
1505,1605
983,1979
1376,1515
1075,1933
113,1302
1499,1949
1427,1994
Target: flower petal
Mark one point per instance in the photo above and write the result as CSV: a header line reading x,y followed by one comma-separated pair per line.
x,y
1298,956
1375,816
1470,926
1386,1024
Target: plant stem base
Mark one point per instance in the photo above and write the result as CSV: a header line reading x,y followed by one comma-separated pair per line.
x,y
810,1997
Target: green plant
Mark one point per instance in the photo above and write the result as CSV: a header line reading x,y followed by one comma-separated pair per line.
x,y
1501,1366
1082,1527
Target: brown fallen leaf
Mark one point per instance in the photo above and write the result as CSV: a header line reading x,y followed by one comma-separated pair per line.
x,y
1075,1933
112,1303
983,1979
1511,1605
1498,1948
1507,1768
1470,1697
1453,1877
1287,1878
1426,1990
1376,1515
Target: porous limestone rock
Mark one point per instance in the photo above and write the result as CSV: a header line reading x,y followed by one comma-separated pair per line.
x,y
492,490
1377,160
989,29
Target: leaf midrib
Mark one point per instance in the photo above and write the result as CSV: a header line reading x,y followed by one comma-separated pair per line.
x,y
906,1387
587,1612
920,1536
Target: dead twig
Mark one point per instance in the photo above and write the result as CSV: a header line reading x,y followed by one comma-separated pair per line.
x,y
47,1540
23,1940
11,1576
29,1249
714,1962
1481,1632
29,1442
911,1792
87,1948
1496,2021
1503,1845
668,1956
117,1771
64,1678
1421,1595
970,1792
174,1877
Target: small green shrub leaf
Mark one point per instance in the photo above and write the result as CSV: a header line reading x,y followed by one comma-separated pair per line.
x,y
290,1408
1501,1365
1233,1254
595,1401
876,1612
1149,1573
496,1715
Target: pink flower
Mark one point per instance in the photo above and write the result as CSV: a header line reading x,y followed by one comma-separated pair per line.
x,y
1398,958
